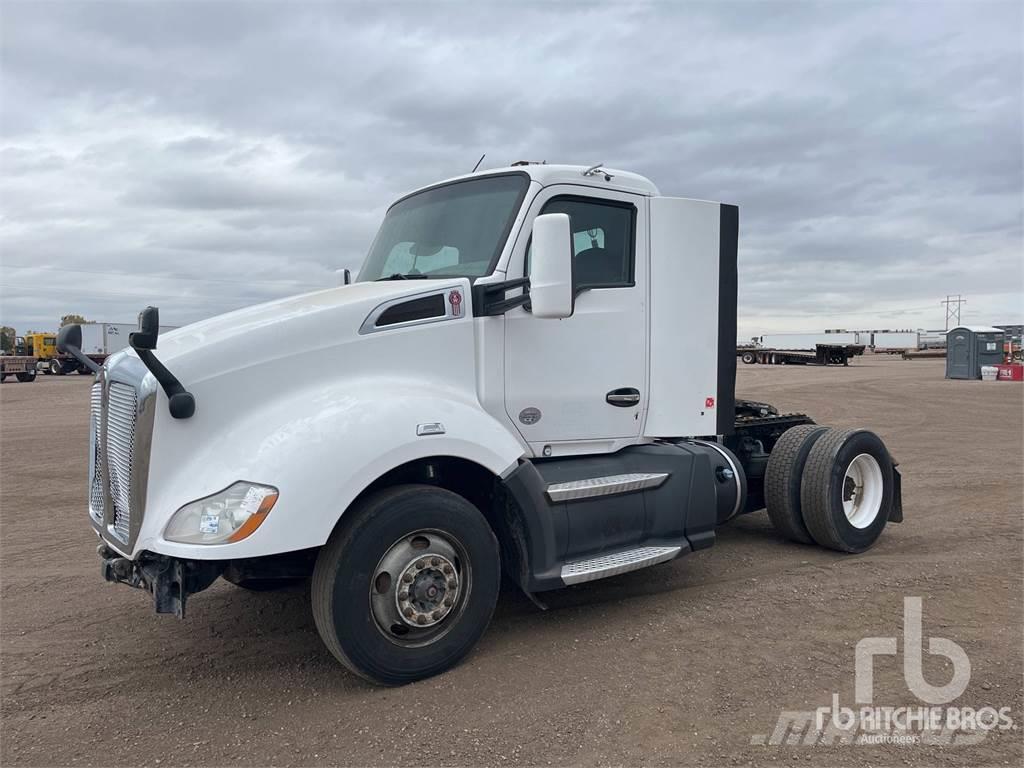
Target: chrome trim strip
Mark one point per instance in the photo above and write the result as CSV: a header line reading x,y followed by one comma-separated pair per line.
x,y
370,323
605,486
602,566
735,472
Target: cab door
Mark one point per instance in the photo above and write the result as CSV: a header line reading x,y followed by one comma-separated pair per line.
x,y
579,384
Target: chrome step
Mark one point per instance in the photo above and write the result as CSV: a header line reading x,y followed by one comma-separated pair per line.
x,y
605,486
615,563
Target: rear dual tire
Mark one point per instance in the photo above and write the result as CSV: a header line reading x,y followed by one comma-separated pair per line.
x,y
783,478
407,584
831,487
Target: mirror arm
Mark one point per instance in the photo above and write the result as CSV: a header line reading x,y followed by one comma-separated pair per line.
x,y
180,402
84,359
489,300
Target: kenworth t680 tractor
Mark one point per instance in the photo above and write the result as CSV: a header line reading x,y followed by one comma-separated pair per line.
x,y
533,371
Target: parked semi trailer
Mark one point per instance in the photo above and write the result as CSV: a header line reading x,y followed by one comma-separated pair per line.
x,y
895,342
808,341
22,367
567,417
821,354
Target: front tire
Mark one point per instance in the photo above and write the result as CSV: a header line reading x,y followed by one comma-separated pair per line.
x,y
748,358
847,489
407,584
26,377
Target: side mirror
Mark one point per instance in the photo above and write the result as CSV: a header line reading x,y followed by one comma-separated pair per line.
x,y
344,276
149,329
69,342
68,337
551,283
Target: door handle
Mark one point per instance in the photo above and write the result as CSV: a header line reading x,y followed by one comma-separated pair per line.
x,y
623,398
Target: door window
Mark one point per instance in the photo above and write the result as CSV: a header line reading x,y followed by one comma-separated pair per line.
x,y
602,238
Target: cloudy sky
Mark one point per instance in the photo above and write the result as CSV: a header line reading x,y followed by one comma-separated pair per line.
x,y
204,156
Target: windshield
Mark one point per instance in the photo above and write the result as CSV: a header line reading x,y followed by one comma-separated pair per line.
x,y
454,230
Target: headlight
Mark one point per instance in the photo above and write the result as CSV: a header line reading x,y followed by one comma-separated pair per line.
x,y
224,517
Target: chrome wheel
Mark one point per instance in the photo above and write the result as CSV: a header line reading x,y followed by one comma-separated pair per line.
x,y
419,587
862,490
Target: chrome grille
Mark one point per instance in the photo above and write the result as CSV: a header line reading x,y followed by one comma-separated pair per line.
x,y
122,403
96,469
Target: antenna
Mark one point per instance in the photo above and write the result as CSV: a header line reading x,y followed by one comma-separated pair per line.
x,y
478,162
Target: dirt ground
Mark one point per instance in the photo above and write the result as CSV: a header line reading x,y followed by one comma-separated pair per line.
x,y
685,663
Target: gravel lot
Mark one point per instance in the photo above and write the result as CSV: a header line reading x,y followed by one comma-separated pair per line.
x,y
680,664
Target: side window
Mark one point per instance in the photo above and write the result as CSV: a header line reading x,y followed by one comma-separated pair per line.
x,y
603,240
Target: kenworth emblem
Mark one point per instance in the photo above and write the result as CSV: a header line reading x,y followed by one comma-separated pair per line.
x,y
455,299
529,415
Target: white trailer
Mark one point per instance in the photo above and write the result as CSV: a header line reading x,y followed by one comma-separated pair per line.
x,y
566,417
808,341
895,341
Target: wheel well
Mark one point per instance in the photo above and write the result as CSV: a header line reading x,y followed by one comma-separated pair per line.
x,y
468,479
473,482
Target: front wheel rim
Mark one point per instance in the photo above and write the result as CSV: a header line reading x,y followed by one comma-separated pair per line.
x,y
420,587
863,489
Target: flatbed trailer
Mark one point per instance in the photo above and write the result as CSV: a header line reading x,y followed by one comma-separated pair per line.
x,y
21,366
822,354
922,354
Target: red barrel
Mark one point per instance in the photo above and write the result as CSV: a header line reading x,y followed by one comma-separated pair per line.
x,y
1013,372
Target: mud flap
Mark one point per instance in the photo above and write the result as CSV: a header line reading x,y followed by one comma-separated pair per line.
x,y
896,510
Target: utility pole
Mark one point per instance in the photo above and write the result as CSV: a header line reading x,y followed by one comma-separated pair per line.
x,y
953,308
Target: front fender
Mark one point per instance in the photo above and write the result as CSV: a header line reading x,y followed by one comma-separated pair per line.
x,y
321,448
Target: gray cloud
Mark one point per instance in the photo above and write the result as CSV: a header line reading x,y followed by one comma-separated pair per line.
x,y
206,156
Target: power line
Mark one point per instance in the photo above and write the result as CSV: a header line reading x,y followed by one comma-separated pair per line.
x,y
157,277
127,294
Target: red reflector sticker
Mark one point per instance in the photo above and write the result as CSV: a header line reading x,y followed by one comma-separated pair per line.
x,y
709,402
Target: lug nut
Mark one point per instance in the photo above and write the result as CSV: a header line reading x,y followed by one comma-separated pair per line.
x,y
447,602
407,578
452,584
421,619
435,561
447,570
403,595
420,565
408,612
435,615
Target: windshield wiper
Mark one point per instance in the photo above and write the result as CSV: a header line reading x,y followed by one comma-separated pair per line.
x,y
400,276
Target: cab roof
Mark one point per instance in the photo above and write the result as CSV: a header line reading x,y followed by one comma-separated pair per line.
x,y
546,175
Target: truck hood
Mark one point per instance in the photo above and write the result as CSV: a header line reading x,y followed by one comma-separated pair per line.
x,y
297,325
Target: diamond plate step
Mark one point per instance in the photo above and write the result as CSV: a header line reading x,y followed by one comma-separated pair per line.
x,y
605,486
615,563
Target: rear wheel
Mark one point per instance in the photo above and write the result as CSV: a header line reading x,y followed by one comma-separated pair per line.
x,y
748,358
846,492
55,368
407,584
783,478
84,372
26,376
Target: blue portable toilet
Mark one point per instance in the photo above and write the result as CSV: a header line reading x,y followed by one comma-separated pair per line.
x,y
968,347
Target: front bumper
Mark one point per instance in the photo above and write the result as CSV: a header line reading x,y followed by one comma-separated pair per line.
x,y
170,580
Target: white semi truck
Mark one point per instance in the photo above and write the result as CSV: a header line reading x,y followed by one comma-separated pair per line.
x,y
534,371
